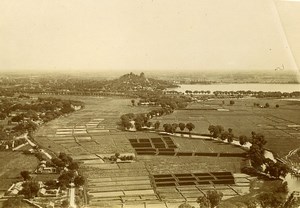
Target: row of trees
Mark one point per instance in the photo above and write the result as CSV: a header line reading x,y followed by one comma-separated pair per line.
x,y
256,152
142,119
171,128
241,93
173,102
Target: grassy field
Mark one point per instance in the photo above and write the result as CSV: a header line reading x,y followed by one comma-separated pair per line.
x,y
243,118
12,163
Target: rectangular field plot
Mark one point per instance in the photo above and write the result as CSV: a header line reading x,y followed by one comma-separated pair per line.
x,y
154,146
83,138
166,180
58,139
97,131
130,189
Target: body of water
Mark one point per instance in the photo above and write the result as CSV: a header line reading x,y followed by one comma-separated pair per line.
x,y
236,87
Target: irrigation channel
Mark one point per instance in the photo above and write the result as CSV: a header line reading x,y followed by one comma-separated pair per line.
x,y
293,181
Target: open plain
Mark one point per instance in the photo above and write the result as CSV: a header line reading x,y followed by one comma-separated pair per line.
x,y
161,179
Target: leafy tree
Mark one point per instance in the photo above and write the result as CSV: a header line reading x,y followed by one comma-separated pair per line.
x,y
17,118
270,200
25,175
79,181
267,105
156,124
283,188
203,201
30,189
73,166
215,131
138,125
224,135
277,106
65,203
214,197
230,137
243,139
258,139
58,162
133,102
185,205
181,126
168,128
66,178
276,169
256,155
190,126
65,158
252,203
149,124
174,127
51,184
231,102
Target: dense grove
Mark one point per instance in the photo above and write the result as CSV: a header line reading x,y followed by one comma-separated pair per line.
x,y
165,104
24,114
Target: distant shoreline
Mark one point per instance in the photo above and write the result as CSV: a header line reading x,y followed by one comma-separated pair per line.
x,y
264,87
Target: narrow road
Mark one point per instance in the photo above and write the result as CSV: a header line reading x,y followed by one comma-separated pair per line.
x,y
72,196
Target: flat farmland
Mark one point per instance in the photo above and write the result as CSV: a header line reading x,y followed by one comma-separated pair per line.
x,y
91,133
84,131
279,125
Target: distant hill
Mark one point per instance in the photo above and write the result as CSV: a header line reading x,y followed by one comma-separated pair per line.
x,y
134,82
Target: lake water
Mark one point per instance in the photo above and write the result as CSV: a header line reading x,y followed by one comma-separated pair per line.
x,y
236,87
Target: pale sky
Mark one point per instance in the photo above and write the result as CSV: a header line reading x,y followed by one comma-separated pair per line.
x,y
149,34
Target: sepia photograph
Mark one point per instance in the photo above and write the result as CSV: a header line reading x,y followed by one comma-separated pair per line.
x,y
149,104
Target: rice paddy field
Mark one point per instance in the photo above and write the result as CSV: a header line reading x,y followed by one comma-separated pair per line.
x,y
91,134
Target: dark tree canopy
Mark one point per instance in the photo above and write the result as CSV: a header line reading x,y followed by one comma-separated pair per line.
x,y
190,126
243,139
30,189
270,200
79,181
214,197
203,201
181,126
73,166
185,205
25,175
156,125
215,131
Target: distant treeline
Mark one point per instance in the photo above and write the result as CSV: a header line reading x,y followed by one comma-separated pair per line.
x,y
241,93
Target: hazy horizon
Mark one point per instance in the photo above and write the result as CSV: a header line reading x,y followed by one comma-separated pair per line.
x,y
117,36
